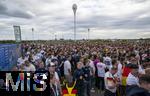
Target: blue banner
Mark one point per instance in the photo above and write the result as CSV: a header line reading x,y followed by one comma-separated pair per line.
x,y
9,53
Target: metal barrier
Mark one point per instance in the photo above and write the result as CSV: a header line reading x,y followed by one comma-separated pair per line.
x,y
9,54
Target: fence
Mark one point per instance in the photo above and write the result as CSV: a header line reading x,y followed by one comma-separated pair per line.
x,y
9,54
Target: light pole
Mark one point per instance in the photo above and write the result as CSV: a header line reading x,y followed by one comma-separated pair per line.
x,y
32,34
88,33
74,8
62,35
55,37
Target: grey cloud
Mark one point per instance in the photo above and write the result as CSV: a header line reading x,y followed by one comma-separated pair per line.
x,y
9,11
53,21
19,13
105,22
132,22
2,7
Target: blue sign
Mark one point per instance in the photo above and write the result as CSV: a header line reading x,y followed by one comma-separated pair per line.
x,y
9,53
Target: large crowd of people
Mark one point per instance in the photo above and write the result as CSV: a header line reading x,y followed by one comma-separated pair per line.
x,y
109,68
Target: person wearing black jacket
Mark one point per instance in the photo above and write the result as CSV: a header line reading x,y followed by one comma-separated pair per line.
x,y
79,78
87,75
137,91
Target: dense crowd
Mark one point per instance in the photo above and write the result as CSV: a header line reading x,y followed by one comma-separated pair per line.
x,y
110,68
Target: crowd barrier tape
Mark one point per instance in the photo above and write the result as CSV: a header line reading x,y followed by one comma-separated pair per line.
x,y
9,53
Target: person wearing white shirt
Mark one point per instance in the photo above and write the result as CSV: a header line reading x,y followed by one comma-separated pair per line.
x,y
101,74
143,89
110,82
141,69
29,66
92,66
67,71
35,58
137,86
119,72
21,60
132,78
108,61
39,55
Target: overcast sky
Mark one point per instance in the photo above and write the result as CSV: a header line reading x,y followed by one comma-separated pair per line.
x,y
107,19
